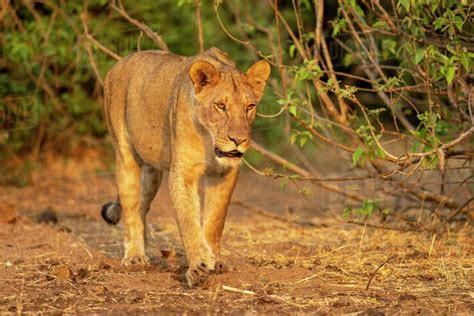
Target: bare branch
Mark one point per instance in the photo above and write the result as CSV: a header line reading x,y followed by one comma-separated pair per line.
x,y
147,30
199,25
216,10
93,40
89,52
300,171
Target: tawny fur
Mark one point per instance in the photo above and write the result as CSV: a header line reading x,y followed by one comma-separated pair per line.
x,y
183,115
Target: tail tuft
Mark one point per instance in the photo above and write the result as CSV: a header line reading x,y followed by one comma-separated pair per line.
x,y
111,212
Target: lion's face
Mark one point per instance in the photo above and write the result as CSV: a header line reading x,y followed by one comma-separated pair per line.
x,y
226,106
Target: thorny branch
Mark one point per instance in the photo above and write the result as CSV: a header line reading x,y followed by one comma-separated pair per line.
x,y
372,72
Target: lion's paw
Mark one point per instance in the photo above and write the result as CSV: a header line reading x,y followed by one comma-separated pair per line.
x,y
142,260
220,268
201,266
197,274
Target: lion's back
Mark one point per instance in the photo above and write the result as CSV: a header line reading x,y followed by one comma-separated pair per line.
x,y
137,93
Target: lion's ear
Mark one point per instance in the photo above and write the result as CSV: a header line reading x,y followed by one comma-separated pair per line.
x,y
203,74
257,75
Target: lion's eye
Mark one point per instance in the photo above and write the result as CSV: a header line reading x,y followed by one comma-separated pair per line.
x,y
220,106
250,107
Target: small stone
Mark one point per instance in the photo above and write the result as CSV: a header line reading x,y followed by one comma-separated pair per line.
x,y
62,272
104,266
48,216
407,297
7,214
82,273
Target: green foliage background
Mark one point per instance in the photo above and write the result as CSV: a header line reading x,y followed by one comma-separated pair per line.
x,y
48,91
50,98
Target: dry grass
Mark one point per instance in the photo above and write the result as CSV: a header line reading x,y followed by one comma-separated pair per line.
x,y
276,267
330,267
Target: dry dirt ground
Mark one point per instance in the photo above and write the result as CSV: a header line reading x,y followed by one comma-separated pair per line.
x,y
73,265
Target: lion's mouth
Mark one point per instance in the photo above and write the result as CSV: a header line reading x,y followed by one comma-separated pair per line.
x,y
228,154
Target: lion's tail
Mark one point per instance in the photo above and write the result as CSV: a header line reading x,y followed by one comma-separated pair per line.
x,y
112,212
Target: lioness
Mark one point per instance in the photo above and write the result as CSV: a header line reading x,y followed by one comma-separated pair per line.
x,y
191,117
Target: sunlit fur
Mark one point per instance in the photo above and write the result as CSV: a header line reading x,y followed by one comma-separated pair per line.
x,y
236,91
226,163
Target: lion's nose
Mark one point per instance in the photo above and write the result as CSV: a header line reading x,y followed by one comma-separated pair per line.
x,y
237,140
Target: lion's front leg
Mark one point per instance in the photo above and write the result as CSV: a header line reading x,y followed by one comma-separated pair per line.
x,y
218,191
185,198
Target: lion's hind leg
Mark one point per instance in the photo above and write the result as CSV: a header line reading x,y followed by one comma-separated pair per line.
x,y
150,182
128,175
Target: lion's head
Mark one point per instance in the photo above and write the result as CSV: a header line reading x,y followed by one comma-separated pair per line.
x,y
226,101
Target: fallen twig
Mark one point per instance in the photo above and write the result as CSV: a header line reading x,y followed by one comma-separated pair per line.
x,y
376,270
236,290
383,227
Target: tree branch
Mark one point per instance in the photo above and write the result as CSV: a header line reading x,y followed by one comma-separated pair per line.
x,y
148,31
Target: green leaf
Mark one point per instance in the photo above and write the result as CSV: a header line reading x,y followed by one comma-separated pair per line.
x,y
293,138
331,82
389,46
465,61
292,50
458,22
183,2
348,59
439,22
358,153
303,141
306,5
367,207
337,26
380,24
450,74
451,49
416,30
292,109
379,153
405,4
347,211
420,53
359,11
